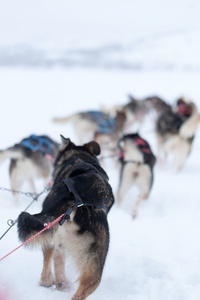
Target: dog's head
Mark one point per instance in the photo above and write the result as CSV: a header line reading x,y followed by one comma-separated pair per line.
x,y
68,150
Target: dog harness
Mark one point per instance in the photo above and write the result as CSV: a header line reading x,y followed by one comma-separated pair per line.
x,y
142,144
143,147
70,184
105,123
37,143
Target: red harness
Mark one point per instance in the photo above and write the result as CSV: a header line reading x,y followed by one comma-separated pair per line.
x,y
139,142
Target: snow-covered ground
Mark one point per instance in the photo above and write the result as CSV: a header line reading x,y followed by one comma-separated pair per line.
x,y
143,49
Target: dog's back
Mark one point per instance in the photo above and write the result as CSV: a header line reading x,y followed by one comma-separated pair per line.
x,y
169,123
137,149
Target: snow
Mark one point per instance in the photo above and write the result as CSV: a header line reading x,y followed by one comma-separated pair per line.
x,y
60,57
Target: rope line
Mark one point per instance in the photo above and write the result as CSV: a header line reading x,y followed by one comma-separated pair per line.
x,y
47,226
34,196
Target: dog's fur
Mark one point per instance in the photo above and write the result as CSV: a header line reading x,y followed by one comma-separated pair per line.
x,y
175,130
136,163
137,109
85,123
109,140
27,164
98,126
158,105
85,237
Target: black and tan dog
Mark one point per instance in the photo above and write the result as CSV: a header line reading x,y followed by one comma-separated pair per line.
x,y
31,158
80,189
136,163
175,130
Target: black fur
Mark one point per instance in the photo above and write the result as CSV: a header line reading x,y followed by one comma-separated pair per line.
x,y
169,122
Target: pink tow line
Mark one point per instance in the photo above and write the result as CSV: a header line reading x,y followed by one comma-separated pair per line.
x,y
47,226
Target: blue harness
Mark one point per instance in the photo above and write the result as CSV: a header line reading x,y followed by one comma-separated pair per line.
x,y
40,146
105,123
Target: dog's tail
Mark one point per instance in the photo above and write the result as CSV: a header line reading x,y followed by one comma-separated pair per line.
x,y
188,128
10,153
29,225
63,120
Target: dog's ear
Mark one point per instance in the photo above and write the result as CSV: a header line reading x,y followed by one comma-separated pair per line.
x,y
93,147
65,142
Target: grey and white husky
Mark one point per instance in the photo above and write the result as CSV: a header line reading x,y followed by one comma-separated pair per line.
x,y
31,158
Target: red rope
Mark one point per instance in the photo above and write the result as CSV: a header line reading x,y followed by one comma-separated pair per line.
x,y
47,226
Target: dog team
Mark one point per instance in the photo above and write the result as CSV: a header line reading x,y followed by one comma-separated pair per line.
x,y
80,187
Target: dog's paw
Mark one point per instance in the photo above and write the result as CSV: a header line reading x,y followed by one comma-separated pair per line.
x,y
46,284
134,215
63,286
47,281
77,298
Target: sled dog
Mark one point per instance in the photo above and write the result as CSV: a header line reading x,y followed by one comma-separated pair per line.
x,y
90,123
98,126
175,130
136,168
31,158
81,191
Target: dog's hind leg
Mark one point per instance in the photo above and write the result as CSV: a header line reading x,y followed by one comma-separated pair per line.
x,y
61,281
181,153
16,179
88,282
161,153
126,181
138,202
47,276
144,184
32,185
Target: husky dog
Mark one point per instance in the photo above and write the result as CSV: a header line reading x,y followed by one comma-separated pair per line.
x,y
99,126
81,191
31,158
88,124
137,162
175,130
